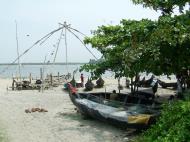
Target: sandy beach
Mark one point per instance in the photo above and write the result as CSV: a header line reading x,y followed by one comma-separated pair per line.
x,y
60,124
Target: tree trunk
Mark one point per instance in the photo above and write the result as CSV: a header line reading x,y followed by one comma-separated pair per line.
x,y
119,84
132,89
179,86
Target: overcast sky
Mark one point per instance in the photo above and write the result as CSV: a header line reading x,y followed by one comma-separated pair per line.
x,y
36,18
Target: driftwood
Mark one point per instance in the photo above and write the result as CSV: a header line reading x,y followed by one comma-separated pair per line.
x,y
35,110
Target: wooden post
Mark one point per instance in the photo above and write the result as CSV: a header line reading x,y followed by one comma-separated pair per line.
x,y
16,76
41,74
58,78
51,79
13,84
30,78
119,85
105,94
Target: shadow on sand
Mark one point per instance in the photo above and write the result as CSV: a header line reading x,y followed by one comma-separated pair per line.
x,y
97,128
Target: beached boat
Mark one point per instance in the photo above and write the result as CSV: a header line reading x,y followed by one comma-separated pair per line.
x,y
146,83
166,85
133,112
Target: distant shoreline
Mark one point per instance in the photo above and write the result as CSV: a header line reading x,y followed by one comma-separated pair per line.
x,y
72,63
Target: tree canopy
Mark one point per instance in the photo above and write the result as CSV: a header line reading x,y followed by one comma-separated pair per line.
x,y
166,6
133,46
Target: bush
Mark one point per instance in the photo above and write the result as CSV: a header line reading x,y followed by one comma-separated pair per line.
x,y
100,83
89,85
172,126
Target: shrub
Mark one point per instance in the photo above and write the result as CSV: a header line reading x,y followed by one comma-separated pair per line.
x,y
100,83
172,126
89,85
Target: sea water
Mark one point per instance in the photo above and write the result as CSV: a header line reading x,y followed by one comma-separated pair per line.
x,y
9,71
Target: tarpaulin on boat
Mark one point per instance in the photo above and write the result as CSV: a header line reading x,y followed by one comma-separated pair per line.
x,y
131,115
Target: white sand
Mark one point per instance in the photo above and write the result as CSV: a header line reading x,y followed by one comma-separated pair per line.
x,y
60,124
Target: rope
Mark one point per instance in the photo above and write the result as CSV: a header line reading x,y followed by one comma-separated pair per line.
x,y
78,31
82,43
43,39
70,28
59,40
46,37
66,48
18,51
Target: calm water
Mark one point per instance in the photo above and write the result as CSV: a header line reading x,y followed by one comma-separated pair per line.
x,y
54,69
35,70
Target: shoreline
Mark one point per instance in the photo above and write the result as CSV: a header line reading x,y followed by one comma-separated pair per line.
x,y
60,123
57,63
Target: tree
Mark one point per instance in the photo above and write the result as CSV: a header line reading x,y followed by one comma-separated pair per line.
x,y
120,46
133,46
166,6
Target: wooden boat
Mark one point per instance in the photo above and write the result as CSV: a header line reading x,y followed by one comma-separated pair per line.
x,y
141,82
166,85
133,112
146,83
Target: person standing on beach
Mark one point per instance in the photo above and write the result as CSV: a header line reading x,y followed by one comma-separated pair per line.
x,y
82,80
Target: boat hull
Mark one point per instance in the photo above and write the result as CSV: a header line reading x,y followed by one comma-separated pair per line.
x,y
166,85
99,110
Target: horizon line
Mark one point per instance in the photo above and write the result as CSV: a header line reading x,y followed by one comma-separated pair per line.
x,y
40,63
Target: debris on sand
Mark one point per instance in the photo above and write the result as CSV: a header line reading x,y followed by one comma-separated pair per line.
x,y
35,110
